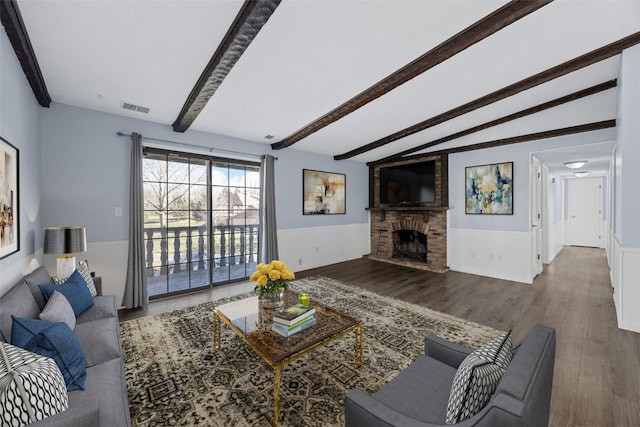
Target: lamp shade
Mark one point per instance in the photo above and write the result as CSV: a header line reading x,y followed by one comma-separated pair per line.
x,y
65,240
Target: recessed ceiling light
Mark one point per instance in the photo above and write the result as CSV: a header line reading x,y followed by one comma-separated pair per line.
x,y
577,164
581,174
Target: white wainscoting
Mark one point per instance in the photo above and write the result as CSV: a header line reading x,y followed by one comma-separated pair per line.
x,y
500,254
554,241
605,241
305,248
625,276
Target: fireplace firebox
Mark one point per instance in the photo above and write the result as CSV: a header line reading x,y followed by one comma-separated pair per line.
x,y
410,245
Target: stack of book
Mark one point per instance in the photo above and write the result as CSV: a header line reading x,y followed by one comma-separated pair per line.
x,y
293,319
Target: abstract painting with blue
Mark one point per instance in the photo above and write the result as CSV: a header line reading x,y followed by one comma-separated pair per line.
x,y
489,189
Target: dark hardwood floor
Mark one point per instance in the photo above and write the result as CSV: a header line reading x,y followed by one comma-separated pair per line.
x,y
597,371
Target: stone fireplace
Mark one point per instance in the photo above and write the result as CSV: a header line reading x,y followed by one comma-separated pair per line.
x,y
416,238
414,235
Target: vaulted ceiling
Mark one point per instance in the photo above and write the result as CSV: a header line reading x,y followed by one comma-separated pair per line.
x,y
362,80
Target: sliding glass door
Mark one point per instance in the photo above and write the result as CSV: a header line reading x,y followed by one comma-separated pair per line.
x,y
201,220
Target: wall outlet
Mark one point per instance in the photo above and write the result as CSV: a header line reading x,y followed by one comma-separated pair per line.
x,y
299,261
118,211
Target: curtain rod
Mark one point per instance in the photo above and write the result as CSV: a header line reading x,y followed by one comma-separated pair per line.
x,y
211,149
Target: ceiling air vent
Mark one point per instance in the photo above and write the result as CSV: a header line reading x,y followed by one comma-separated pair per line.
x,y
134,107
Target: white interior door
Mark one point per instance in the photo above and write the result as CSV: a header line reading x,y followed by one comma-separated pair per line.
x,y
585,212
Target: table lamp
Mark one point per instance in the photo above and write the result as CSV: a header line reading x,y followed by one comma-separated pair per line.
x,y
65,241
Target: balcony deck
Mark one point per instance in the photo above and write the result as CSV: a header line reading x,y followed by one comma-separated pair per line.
x,y
179,258
187,280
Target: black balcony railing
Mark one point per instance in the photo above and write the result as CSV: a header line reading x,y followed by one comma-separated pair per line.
x,y
229,251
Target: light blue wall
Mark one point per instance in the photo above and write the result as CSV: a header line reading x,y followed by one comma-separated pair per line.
x,y
289,187
520,155
627,172
20,125
86,166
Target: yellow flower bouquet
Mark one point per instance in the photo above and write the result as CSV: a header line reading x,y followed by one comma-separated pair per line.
x,y
272,277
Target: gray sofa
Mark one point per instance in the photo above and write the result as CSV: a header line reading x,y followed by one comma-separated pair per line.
x,y
418,395
103,402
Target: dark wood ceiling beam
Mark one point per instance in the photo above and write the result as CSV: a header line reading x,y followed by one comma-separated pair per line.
x,y
480,30
589,127
520,114
17,33
253,15
570,66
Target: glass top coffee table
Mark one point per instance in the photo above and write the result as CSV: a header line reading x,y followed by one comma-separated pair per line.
x,y
252,322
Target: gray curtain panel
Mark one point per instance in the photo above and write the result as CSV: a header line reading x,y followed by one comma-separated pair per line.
x,y
135,292
267,230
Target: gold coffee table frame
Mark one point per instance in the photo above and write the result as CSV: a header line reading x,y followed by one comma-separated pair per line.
x,y
251,322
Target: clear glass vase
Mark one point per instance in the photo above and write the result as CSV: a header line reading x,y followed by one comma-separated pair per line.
x,y
273,299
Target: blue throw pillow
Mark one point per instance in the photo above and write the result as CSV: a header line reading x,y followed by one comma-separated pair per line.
x,y
54,340
75,290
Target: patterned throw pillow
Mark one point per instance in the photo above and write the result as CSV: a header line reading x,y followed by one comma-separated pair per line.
x,y
58,309
83,269
59,280
477,378
32,387
498,351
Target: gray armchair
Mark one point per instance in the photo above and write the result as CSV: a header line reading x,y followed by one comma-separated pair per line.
x,y
418,396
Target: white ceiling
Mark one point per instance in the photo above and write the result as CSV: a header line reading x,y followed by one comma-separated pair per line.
x,y
311,56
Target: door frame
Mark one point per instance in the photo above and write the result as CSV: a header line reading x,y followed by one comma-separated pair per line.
x,y
600,183
536,215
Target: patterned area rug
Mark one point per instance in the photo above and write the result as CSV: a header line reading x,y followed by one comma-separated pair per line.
x,y
174,377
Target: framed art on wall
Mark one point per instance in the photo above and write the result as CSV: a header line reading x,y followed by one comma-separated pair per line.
x,y
323,193
489,189
9,218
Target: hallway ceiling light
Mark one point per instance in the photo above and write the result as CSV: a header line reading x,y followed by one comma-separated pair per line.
x,y
576,164
581,174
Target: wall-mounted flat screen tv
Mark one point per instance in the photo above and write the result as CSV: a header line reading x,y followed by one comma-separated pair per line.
x,y
411,183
